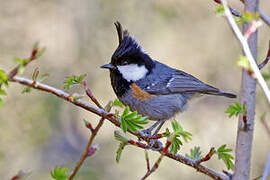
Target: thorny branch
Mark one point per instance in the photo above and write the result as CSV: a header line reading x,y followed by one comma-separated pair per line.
x,y
156,165
114,120
90,142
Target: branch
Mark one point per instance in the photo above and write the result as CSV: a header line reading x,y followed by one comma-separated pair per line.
x,y
208,156
265,18
154,168
156,165
246,50
33,57
91,96
100,112
248,88
147,160
266,59
90,142
236,13
233,11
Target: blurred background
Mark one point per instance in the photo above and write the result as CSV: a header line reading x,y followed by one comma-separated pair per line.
x,y
39,131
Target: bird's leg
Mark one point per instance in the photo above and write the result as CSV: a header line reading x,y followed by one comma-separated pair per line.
x,y
155,144
147,132
159,126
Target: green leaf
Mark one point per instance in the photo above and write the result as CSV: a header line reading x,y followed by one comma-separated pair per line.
x,y
119,151
234,110
244,63
18,60
41,52
125,113
131,127
176,135
27,89
132,121
124,125
36,45
266,76
1,103
119,137
118,103
247,17
131,116
180,132
72,80
123,142
60,173
3,92
21,69
195,153
223,153
3,78
220,10
176,145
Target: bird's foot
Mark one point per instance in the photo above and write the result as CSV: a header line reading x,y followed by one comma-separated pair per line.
x,y
155,144
146,133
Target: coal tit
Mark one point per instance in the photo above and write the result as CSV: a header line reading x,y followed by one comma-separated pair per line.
x,y
150,87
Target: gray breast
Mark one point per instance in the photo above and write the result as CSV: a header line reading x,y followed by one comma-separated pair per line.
x,y
161,107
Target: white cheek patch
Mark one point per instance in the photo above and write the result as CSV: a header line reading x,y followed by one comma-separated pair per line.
x,y
133,72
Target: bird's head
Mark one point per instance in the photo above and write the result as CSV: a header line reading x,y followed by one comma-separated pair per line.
x,y
129,58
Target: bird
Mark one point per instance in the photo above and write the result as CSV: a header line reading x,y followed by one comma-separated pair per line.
x,y
150,87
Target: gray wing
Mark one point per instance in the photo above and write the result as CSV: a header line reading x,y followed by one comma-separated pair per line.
x,y
165,80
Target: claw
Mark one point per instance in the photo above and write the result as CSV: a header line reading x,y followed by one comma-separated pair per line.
x,y
148,132
155,144
145,133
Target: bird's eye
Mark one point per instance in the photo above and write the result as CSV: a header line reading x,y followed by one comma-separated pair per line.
x,y
124,63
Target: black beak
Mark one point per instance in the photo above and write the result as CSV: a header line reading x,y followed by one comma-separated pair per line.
x,y
108,66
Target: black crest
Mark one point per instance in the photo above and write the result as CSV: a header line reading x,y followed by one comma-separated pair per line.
x,y
130,49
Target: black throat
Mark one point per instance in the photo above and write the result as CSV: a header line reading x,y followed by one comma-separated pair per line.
x,y
119,84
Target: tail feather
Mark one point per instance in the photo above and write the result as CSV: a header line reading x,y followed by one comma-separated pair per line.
x,y
225,94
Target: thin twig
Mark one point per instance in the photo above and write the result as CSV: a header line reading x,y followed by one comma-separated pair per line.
x,y
233,11
147,160
33,56
89,144
246,50
92,97
263,16
262,64
100,112
208,156
156,165
154,168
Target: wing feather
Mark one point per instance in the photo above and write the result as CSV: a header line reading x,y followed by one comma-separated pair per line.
x,y
165,80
